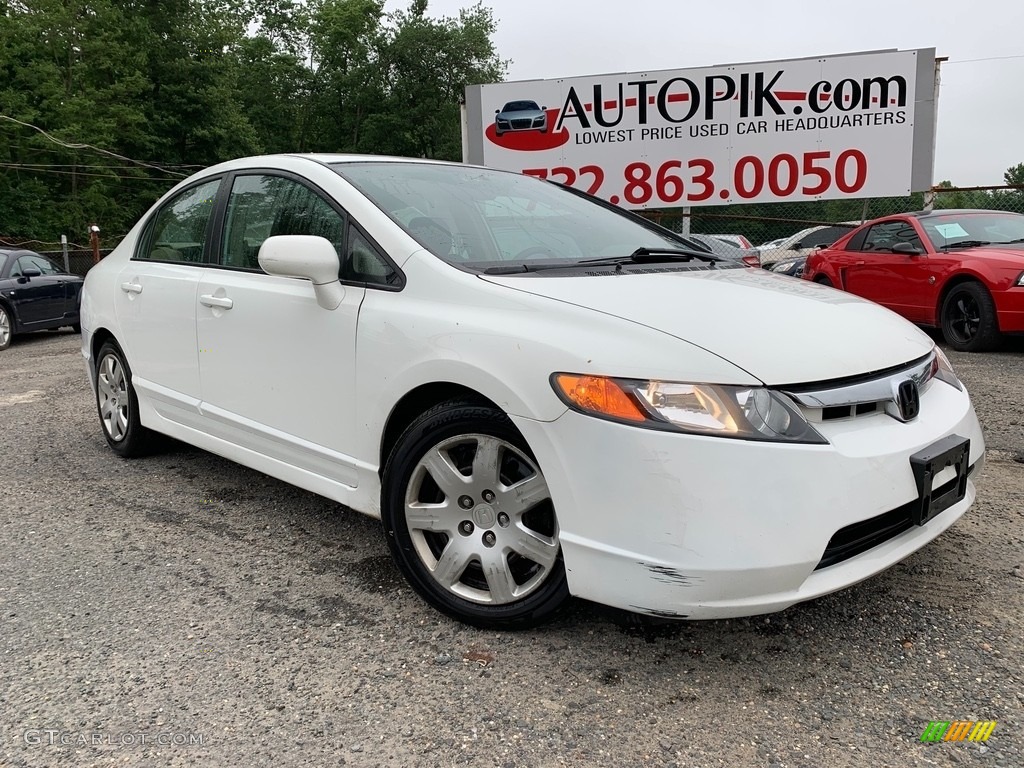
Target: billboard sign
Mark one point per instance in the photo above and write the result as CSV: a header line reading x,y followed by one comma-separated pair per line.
x,y
854,125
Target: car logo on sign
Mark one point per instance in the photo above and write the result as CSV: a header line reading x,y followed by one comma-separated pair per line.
x,y
908,398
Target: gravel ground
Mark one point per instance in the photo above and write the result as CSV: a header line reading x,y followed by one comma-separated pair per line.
x,y
182,597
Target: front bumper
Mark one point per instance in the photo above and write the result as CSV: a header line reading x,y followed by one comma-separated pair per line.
x,y
1010,309
682,526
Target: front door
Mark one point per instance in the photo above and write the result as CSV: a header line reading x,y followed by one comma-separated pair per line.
x,y
277,369
40,297
897,281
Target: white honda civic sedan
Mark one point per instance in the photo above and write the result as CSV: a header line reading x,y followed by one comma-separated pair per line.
x,y
539,394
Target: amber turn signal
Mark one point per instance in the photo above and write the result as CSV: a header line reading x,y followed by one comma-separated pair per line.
x,y
600,395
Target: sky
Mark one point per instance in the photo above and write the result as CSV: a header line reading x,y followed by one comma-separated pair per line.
x,y
981,103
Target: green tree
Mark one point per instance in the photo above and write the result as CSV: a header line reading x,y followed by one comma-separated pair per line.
x,y
184,84
1014,175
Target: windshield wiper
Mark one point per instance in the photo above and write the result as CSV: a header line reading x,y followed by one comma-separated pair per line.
x,y
654,255
1011,242
965,244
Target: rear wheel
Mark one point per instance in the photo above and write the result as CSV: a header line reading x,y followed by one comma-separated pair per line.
x,y
968,318
118,406
469,518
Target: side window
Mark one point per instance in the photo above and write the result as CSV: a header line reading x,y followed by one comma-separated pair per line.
x,y
363,263
261,206
882,237
178,232
857,241
42,264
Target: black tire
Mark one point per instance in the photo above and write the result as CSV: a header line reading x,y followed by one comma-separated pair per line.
x,y
6,327
524,582
823,280
76,327
968,318
120,421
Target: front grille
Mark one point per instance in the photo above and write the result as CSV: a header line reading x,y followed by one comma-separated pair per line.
x,y
521,123
861,396
860,537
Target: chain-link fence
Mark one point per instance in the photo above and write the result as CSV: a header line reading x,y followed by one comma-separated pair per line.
x,y
773,233
784,232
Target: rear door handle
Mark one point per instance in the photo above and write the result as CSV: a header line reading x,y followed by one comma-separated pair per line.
x,y
131,287
222,302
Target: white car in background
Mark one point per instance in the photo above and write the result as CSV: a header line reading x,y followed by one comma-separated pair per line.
x,y
803,243
538,394
737,240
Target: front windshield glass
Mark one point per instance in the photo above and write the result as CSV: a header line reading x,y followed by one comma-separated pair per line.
x,y
946,230
480,218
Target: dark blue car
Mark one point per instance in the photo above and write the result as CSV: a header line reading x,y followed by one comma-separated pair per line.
x,y
35,295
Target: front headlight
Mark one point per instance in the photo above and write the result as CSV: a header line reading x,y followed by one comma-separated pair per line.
x,y
748,413
784,266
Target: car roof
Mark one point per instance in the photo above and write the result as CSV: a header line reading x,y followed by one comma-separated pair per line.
x,y
321,158
953,211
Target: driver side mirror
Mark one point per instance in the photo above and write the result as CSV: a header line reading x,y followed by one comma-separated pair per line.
x,y
309,257
29,272
908,249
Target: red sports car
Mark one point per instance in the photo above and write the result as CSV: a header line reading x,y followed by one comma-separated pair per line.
x,y
960,270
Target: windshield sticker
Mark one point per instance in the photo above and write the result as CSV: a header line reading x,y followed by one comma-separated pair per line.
x,y
950,230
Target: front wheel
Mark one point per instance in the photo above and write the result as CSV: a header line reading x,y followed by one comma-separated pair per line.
x,y
823,280
969,320
469,518
118,406
6,328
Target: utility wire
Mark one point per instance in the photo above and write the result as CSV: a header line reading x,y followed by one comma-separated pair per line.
x,y
67,145
149,179
990,58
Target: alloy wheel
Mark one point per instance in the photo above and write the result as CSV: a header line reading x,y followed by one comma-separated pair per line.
x,y
112,389
5,328
965,318
480,518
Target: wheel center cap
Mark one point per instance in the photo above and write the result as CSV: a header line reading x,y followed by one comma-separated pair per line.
x,y
484,516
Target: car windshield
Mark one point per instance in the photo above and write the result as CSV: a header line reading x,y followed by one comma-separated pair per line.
x,y
479,218
947,230
520,106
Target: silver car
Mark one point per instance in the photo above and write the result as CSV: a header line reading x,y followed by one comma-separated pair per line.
x,y
521,115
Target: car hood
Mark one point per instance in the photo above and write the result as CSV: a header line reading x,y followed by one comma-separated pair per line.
x,y
776,328
522,114
1012,253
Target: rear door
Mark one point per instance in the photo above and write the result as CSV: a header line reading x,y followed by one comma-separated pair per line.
x,y
156,302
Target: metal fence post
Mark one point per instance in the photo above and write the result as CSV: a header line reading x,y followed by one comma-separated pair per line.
x,y
685,231
94,241
64,248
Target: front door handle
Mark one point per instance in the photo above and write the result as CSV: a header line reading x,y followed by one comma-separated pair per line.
x,y
131,287
859,264
221,302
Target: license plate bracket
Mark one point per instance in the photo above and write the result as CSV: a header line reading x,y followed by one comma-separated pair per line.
x,y
927,463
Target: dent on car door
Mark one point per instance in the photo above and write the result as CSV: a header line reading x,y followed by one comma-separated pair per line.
x,y
156,303
277,368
